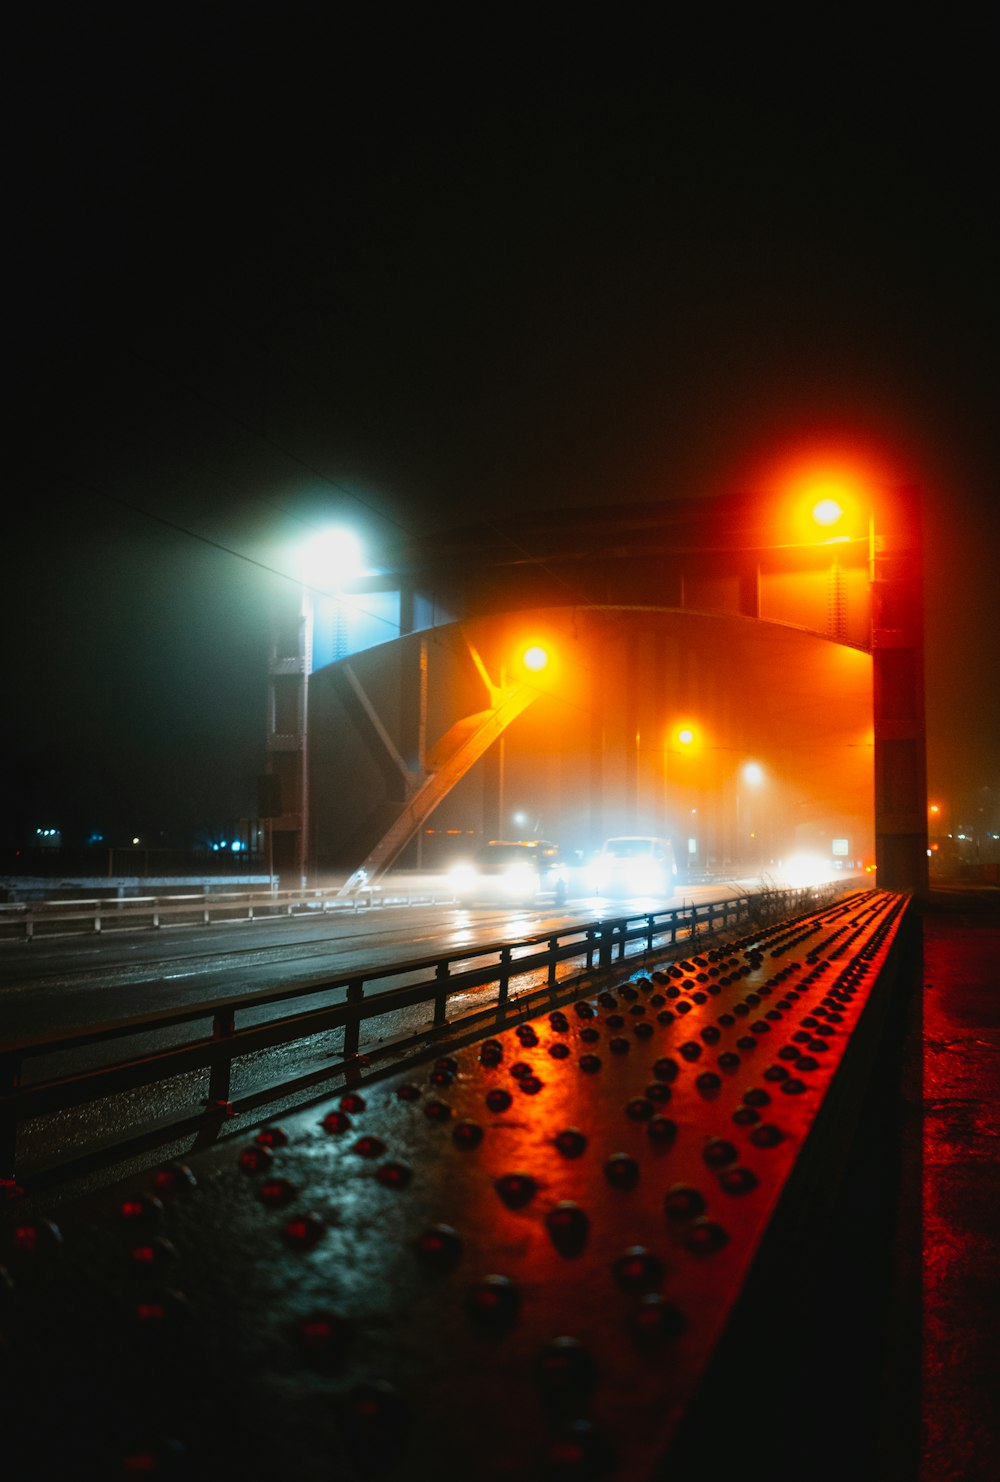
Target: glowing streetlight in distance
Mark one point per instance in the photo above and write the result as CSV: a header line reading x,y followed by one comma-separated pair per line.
x,y
753,773
685,737
827,512
331,558
535,658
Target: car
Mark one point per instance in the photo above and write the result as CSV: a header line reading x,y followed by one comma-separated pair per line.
x,y
635,864
514,872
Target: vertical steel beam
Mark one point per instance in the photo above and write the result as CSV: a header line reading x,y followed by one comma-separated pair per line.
x,y
898,695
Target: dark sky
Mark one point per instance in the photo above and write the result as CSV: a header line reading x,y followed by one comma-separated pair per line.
x,y
281,265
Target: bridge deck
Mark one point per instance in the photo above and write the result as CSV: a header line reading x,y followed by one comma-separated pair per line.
x,y
519,1260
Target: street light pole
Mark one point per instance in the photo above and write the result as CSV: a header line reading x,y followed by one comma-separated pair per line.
x,y
306,627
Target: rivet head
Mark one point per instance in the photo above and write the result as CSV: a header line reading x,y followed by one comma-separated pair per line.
x,y
408,1092
323,1338
520,1068
708,1083
275,1193
271,1137
683,1202
661,1130
558,1050
394,1175
141,1209
165,1312
571,1142
665,1069
516,1189
621,1171
493,1303
467,1135
490,1052
589,1035
369,1147
737,1180
643,1030
579,1451
256,1160
437,1111
352,1101
705,1237
376,1422
690,1050
439,1248
336,1122
530,1085
568,1226
152,1255
639,1109
658,1092
757,1096
303,1231
656,1321
35,1236
566,1371
638,1269
767,1135
717,1152
589,1064
498,1100
174,1178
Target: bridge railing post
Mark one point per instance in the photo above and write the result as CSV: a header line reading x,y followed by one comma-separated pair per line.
x,y
352,1029
441,996
220,1073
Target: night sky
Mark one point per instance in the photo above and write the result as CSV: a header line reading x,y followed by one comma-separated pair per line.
x,y
277,266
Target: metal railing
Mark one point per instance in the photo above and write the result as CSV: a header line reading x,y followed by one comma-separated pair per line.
x,y
23,920
29,1090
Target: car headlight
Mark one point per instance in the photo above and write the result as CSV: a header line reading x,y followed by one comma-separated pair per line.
x,y
462,877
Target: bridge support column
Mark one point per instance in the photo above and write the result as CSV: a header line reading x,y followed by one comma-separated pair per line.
x,y
898,696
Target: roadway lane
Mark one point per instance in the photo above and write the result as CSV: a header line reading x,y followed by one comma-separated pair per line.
x,y
53,984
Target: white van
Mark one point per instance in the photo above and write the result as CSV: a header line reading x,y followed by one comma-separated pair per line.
x,y
635,864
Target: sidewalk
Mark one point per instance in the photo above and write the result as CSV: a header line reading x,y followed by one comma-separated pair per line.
x,y
961,1186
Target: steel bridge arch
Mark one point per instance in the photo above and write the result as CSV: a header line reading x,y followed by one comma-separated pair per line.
x,y
683,560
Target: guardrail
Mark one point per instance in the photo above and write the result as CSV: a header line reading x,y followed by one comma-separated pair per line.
x,y
23,920
27,1090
